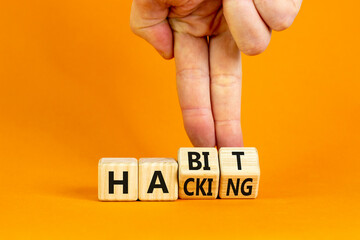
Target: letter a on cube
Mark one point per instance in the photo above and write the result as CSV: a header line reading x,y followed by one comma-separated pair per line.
x,y
198,173
240,172
118,179
158,179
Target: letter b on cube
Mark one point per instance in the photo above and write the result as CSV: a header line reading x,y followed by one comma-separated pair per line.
x,y
198,173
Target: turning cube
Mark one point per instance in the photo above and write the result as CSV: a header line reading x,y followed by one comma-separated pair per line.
x,y
118,179
198,173
158,179
240,172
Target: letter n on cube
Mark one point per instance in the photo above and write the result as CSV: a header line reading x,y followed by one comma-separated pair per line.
x,y
240,172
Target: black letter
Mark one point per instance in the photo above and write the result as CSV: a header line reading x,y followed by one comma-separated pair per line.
x,y
238,154
210,180
123,182
192,160
249,187
162,184
235,189
185,186
199,186
206,160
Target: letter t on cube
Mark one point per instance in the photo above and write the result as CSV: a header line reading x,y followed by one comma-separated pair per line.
x,y
118,179
240,172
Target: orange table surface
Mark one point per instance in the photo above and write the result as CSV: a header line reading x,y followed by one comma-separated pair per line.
x,y
76,85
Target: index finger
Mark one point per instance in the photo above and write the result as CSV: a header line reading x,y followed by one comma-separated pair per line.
x,y
192,77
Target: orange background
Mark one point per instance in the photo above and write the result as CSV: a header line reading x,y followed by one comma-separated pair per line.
x,y
76,85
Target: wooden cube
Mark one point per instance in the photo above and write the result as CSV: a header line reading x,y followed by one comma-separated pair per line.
x,y
118,179
158,179
198,173
240,172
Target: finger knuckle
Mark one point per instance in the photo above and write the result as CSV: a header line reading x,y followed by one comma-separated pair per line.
x,y
133,27
282,22
255,47
225,80
284,18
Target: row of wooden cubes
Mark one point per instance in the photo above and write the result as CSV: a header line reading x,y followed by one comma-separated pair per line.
x,y
199,173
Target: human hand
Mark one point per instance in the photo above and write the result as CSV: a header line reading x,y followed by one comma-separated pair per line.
x,y
206,38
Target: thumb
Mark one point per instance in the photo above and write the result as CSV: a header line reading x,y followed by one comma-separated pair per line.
x,y
148,19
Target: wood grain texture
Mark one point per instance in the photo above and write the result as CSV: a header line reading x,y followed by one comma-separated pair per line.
x,y
113,170
198,173
240,172
158,179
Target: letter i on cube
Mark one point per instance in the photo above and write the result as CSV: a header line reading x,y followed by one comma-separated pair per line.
x,y
240,172
198,173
